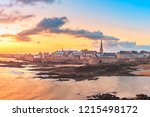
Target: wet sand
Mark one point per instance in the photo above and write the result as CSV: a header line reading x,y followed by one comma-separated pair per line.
x,y
142,70
36,89
37,81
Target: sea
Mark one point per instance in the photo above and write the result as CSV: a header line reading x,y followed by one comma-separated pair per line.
x,y
21,84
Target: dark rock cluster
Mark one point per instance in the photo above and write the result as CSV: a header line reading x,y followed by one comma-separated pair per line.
x,y
108,96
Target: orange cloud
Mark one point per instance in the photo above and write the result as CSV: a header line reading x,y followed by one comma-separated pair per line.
x,y
54,25
11,18
16,37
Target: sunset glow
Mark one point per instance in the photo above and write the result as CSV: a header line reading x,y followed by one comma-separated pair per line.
x,y
48,26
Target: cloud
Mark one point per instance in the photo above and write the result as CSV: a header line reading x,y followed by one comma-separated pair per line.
x,y
84,33
132,45
11,18
17,37
55,25
11,3
127,44
52,23
110,38
32,2
116,45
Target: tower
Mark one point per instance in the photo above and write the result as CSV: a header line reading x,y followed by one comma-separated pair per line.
x,y
101,47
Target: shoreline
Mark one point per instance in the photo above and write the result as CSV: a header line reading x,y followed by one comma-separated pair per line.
x,y
62,72
87,72
142,70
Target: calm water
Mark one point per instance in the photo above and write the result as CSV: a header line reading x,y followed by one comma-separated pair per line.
x,y
18,83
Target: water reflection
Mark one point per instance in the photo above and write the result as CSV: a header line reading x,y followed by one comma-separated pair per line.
x,y
18,83
10,59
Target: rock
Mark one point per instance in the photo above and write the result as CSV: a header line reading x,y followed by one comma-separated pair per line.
x,y
142,97
108,96
103,97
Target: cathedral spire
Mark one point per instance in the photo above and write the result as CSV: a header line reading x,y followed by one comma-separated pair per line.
x,y
101,47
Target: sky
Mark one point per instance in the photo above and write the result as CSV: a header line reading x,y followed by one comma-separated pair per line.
x,y
32,26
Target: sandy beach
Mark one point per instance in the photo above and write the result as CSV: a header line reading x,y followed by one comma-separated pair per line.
x,y
142,70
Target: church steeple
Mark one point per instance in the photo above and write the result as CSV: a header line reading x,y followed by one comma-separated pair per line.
x,y
101,47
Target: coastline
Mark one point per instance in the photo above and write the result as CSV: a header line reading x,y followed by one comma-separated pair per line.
x,y
87,72
65,72
84,73
142,70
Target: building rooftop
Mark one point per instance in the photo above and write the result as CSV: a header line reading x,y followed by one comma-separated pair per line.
x,y
106,55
